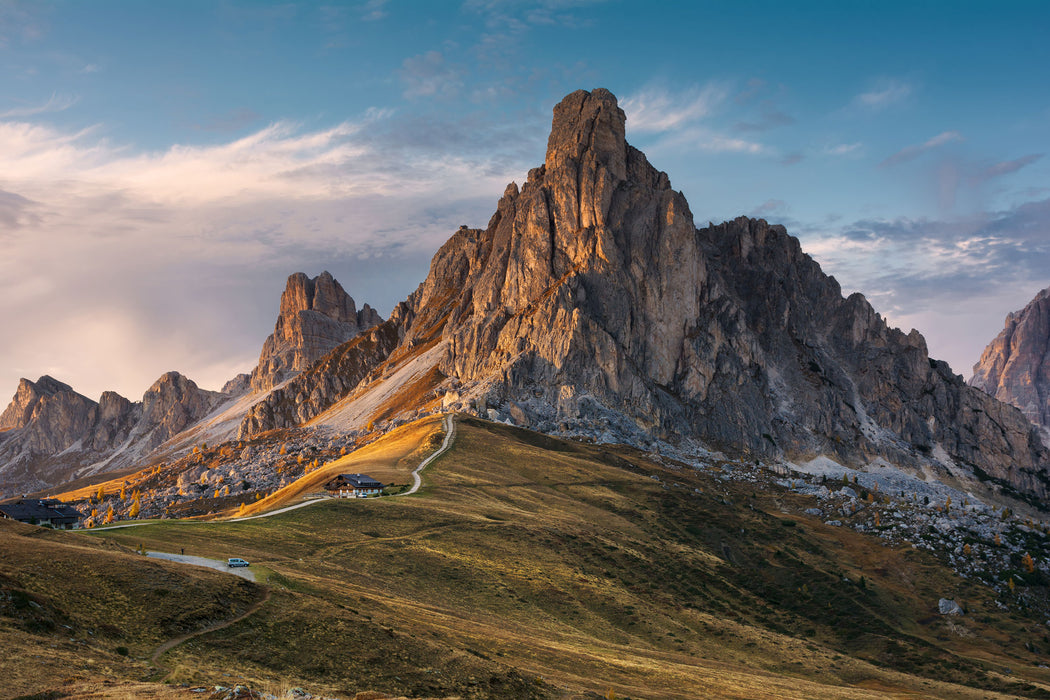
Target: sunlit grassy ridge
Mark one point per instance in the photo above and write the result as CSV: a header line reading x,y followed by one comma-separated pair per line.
x,y
529,557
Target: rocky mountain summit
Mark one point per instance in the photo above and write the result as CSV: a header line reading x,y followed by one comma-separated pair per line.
x,y
592,305
1015,367
316,316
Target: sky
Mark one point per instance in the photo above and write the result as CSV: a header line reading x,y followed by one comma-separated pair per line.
x,y
165,165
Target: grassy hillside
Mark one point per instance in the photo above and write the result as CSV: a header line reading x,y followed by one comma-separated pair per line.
x,y
530,566
73,606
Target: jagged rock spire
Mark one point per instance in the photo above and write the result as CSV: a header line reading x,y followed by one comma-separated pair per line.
x,y
316,316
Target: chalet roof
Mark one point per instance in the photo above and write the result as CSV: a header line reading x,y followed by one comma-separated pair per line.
x,y
357,481
39,510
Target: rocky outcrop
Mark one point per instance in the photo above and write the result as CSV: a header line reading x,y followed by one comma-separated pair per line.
x,y
49,417
171,405
1015,367
27,398
241,384
55,432
316,316
325,383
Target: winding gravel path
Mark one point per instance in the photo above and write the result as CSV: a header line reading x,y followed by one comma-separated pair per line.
x,y
450,433
172,643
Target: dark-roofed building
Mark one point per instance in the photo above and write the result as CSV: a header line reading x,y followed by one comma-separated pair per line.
x,y
46,511
353,486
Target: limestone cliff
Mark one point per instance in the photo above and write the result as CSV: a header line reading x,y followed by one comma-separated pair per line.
x,y
316,316
1015,367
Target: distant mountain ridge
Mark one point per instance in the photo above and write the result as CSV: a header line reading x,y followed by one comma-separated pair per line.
x,y
1015,367
51,433
54,433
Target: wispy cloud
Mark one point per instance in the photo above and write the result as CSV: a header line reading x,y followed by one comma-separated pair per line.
x,y
909,153
844,149
657,109
374,10
429,75
20,20
194,241
883,94
55,103
1009,166
769,118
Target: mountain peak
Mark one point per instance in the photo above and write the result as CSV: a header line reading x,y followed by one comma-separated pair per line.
x,y
26,398
588,125
316,316
1015,367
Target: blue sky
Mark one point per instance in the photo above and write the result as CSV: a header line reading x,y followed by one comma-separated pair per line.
x,y
165,165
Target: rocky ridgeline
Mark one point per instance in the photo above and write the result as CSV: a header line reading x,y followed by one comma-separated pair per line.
x,y
316,316
591,306
53,433
1015,367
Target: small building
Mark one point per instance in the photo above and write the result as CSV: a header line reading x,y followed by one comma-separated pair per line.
x,y
45,511
353,486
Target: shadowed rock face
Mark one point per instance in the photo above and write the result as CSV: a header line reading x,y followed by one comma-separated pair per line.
x,y
1015,367
316,316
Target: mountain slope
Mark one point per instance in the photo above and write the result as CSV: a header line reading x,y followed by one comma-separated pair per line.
x,y
1015,367
595,567
592,306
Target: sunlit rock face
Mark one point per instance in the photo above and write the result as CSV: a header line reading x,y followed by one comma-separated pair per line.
x,y
591,296
1015,367
316,316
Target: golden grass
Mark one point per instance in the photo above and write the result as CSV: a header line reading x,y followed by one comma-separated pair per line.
x,y
390,459
570,564
69,602
530,567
